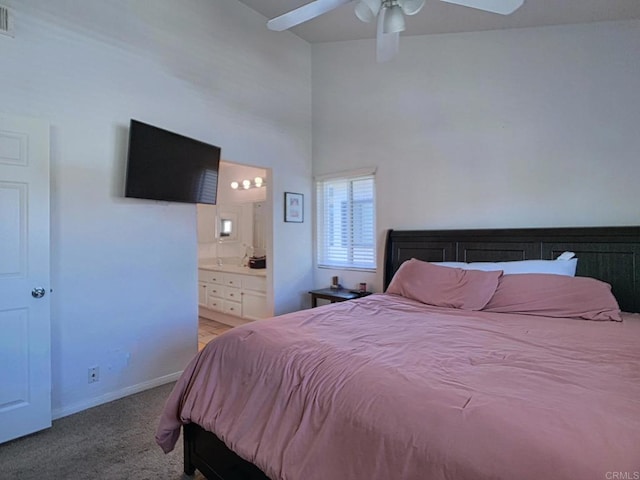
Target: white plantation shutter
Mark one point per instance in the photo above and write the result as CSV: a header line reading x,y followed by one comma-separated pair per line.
x,y
346,221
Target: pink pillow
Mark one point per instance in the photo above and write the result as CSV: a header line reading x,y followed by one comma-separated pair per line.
x,y
444,286
555,296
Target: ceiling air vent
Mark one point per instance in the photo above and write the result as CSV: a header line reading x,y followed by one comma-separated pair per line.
x,y
6,22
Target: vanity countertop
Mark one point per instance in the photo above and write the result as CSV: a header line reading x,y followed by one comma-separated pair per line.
x,y
256,272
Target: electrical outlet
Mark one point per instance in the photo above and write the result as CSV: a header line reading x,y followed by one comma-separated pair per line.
x,y
94,374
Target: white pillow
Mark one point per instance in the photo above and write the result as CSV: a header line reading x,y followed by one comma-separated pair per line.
x,y
565,264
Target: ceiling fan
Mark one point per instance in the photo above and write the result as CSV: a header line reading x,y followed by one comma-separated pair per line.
x,y
389,13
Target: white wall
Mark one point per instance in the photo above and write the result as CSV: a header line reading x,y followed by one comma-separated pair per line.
x,y
124,271
517,128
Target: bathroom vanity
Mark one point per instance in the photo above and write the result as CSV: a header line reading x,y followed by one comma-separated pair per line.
x,y
232,290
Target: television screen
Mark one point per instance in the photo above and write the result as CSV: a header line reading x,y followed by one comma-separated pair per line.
x,y
163,165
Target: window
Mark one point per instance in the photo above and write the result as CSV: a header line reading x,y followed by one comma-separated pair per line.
x,y
345,220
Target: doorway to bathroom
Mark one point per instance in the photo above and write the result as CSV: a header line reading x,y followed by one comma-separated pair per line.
x,y
234,249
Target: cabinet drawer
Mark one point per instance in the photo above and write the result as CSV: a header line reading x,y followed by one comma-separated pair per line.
x,y
216,290
234,294
215,303
210,276
233,280
250,282
232,308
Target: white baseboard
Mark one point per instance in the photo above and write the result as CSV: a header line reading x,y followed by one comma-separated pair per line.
x,y
111,396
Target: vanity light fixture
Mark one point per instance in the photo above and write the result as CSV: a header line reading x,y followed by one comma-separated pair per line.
x,y
247,184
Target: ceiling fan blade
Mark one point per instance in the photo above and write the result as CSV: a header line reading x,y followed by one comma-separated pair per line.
x,y
503,7
303,14
387,44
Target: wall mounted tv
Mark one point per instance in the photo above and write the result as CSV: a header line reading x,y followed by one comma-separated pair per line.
x,y
163,165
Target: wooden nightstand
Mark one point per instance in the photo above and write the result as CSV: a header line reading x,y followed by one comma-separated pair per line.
x,y
335,295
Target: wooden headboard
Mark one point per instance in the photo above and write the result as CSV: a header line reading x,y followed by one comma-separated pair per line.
x,y
610,254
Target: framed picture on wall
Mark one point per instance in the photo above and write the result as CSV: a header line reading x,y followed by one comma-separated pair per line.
x,y
293,207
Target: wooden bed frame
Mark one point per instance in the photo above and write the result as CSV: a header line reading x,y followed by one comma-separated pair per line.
x,y
611,254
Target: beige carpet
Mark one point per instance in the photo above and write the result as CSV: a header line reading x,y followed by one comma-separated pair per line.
x,y
112,441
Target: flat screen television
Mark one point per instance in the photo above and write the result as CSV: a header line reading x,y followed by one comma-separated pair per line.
x,y
163,165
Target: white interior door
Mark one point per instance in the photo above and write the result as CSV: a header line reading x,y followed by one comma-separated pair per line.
x,y
25,332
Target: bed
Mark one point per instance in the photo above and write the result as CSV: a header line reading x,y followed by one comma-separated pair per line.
x,y
389,387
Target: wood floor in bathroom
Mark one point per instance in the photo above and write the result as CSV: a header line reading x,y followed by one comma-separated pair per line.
x,y
208,330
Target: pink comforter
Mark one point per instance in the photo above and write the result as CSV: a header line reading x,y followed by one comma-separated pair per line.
x,y
388,388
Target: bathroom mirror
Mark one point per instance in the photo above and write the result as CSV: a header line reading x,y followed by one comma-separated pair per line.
x,y
227,226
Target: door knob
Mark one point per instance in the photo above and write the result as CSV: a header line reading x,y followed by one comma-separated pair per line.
x,y
37,292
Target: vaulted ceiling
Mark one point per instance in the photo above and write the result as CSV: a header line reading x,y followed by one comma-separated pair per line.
x,y
440,17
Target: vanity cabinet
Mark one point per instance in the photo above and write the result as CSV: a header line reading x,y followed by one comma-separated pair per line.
x,y
254,297
254,304
242,295
210,289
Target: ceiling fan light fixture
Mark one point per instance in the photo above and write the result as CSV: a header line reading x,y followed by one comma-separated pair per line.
x,y
411,7
393,20
367,10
